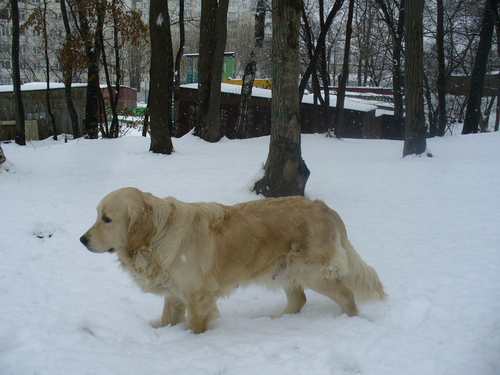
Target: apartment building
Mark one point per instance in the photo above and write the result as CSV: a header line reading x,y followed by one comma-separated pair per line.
x,y
240,12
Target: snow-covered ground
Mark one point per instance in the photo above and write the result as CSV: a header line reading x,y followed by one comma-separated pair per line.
x,y
429,226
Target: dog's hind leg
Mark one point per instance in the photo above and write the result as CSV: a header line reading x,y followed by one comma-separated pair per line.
x,y
174,311
338,292
296,299
202,310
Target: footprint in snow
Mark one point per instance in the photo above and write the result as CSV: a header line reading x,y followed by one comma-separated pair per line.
x,y
42,230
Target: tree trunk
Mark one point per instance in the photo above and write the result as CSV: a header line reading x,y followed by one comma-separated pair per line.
x,y
47,72
67,69
242,123
441,81
308,38
478,74
114,100
340,125
325,103
113,91
396,29
177,69
286,173
496,19
398,80
161,78
213,34
19,108
415,131
92,53
2,156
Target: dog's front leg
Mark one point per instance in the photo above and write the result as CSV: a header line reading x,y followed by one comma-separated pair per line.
x,y
202,309
174,311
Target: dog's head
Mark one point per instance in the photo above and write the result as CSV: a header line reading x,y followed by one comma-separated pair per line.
x,y
125,223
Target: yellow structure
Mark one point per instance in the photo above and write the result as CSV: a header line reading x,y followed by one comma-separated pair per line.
x,y
262,83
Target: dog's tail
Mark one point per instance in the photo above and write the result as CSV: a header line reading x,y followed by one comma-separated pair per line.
x,y
362,279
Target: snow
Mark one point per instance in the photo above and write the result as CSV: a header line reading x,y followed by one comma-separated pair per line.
x,y
429,226
160,20
32,86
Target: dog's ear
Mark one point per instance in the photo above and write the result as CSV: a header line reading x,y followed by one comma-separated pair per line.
x,y
142,226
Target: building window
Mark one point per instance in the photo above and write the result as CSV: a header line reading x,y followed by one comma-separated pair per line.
x,y
5,31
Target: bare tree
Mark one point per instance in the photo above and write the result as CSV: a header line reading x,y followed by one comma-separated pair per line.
x,y
161,78
44,20
177,70
90,19
415,130
67,69
242,123
393,14
473,113
319,46
496,19
286,173
19,108
340,125
213,34
113,92
318,55
441,80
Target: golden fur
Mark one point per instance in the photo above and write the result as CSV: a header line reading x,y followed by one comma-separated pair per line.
x,y
194,253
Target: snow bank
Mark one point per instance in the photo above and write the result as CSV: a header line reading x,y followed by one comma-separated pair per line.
x,y
429,226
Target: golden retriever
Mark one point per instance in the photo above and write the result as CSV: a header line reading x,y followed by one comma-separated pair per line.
x,y
194,253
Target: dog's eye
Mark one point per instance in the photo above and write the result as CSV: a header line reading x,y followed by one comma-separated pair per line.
x,y
106,219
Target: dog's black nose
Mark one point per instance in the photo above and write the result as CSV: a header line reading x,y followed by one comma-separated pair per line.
x,y
84,240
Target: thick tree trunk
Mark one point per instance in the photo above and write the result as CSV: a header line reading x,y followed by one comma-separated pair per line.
x,y
161,78
478,74
213,34
415,130
92,101
19,108
286,173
